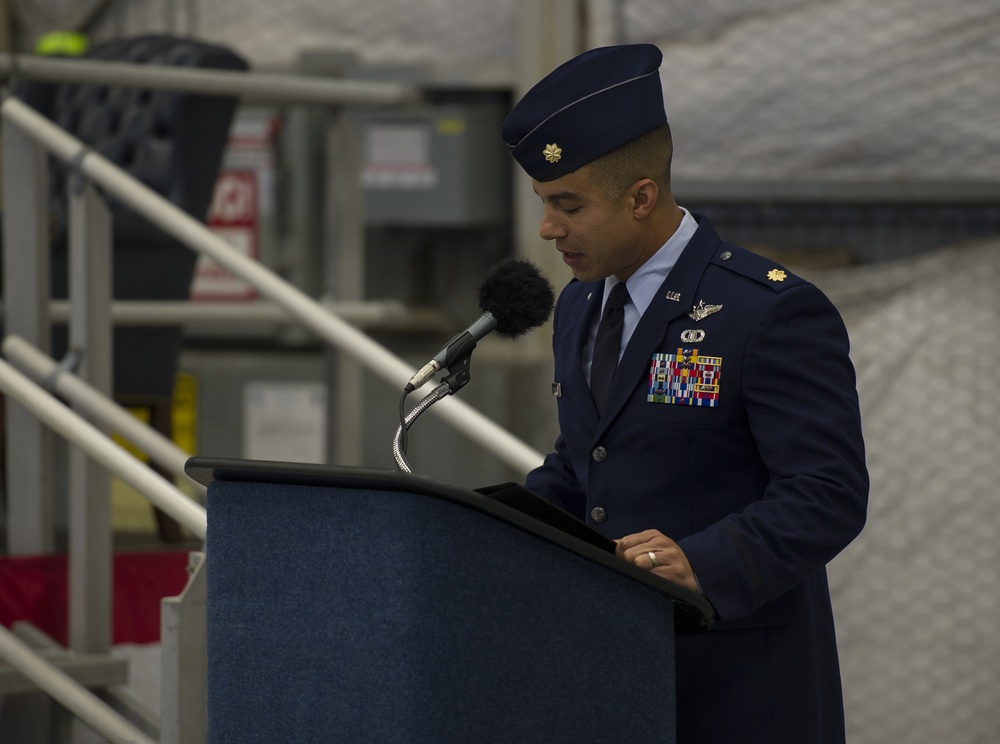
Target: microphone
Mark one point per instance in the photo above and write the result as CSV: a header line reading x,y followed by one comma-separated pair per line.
x,y
514,298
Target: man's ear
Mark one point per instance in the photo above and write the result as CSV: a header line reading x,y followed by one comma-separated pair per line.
x,y
645,193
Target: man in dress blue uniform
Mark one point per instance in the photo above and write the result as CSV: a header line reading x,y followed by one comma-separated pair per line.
x,y
707,405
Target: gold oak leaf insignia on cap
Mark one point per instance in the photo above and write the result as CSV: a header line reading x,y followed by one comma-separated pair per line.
x,y
776,275
552,153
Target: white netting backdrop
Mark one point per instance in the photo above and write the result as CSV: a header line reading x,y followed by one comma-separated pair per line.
x,y
918,594
760,89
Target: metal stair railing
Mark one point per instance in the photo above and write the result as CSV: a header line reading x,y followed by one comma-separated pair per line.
x,y
97,407
50,679
307,310
99,446
75,697
28,137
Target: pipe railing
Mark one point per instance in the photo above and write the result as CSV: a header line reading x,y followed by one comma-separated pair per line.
x,y
71,694
102,449
182,226
318,318
381,314
258,87
97,407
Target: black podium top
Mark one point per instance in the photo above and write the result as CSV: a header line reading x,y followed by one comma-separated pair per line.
x,y
508,502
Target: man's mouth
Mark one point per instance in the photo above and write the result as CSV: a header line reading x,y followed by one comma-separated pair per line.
x,y
571,259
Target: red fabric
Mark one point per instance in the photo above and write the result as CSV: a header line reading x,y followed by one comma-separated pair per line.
x,y
34,588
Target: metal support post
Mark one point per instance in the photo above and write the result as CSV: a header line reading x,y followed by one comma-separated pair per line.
x,y
604,23
549,32
347,283
89,482
30,527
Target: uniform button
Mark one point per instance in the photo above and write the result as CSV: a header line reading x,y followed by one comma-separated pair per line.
x,y
599,454
726,255
598,514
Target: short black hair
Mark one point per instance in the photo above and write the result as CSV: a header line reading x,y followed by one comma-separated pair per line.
x,y
647,156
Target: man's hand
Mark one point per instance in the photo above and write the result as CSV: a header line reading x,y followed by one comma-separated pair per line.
x,y
655,551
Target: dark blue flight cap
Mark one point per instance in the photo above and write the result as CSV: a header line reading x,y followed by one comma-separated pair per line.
x,y
585,108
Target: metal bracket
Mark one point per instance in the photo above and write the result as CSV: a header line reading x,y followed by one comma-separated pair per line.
x,y
75,167
69,363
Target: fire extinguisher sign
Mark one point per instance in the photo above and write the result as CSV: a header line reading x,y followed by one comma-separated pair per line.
x,y
233,217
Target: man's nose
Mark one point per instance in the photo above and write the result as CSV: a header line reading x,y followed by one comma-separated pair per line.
x,y
551,228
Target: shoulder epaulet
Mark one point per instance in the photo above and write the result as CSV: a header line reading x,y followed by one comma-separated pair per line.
x,y
753,266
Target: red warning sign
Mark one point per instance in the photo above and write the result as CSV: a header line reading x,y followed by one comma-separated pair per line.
x,y
233,217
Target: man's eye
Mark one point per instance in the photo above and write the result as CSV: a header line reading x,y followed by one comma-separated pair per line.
x,y
570,210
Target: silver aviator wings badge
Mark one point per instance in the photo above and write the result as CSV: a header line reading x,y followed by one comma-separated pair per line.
x,y
702,311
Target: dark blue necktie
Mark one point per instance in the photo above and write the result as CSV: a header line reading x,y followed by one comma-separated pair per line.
x,y
607,345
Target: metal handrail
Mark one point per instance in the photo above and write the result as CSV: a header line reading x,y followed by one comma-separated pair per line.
x,y
177,223
71,694
258,87
383,314
102,449
317,317
45,371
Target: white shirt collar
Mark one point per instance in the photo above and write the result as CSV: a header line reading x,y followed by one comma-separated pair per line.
x,y
646,280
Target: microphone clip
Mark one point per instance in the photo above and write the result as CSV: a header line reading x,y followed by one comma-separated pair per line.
x,y
459,372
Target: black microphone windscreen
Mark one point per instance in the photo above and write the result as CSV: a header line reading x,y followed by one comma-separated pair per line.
x,y
517,295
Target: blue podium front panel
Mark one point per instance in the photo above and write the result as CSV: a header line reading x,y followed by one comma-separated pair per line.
x,y
350,615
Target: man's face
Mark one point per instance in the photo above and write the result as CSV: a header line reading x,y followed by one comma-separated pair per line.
x,y
594,231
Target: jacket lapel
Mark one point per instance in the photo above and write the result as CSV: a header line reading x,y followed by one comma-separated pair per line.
x,y
577,329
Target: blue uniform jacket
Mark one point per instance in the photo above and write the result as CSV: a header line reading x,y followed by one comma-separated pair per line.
x,y
760,477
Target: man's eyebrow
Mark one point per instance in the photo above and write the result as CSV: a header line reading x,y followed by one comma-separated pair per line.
x,y
560,196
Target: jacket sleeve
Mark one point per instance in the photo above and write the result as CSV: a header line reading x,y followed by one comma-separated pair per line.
x,y
800,397
555,480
